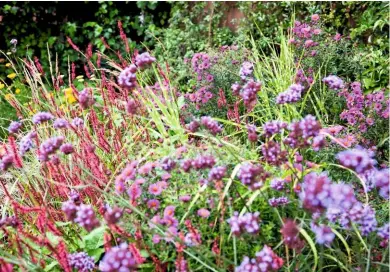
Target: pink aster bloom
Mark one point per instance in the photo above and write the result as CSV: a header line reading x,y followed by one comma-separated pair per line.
x,y
203,213
155,189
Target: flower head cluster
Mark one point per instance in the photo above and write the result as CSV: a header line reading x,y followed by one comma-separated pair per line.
x,y
14,127
78,122
301,132
143,60
278,184
119,259
6,162
246,70
333,82
26,143
127,78
252,133
291,95
248,222
128,173
67,148
211,125
86,217
265,261
41,117
49,147
113,215
131,107
203,162
276,202
217,173
273,154
86,98
382,182
168,164
249,92
201,63
60,123
324,234
316,192
252,176
384,232
358,159
273,127
290,233
81,261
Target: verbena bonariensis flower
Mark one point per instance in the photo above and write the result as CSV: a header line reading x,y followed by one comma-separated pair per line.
x,y
318,142
49,147
26,143
252,133
290,233
203,162
211,125
246,70
14,127
316,194
273,154
333,82
249,93
357,159
273,127
81,261
131,107
291,95
128,173
168,164
193,126
324,234
78,122
86,217
383,232
236,88
186,165
192,239
70,209
119,259
113,215
278,184
86,98
67,148
6,162
60,123
143,60
41,117
248,222
366,221
381,179
265,261
252,176
217,173
127,78
301,132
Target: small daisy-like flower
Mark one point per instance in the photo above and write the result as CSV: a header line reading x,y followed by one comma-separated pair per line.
x,y
203,213
153,204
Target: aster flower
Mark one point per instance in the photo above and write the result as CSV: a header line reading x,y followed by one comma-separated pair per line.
x,y
153,204
185,198
203,213
41,117
86,217
127,174
119,259
134,192
248,222
14,127
155,189
127,78
81,262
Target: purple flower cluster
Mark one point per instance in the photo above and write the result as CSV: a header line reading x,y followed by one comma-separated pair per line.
x,y
217,173
67,148
360,160
276,202
252,176
384,232
119,259
290,233
26,143
211,125
127,78
304,32
249,92
6,162
14,127
49,147
143,60
382,182
131,107
316,192
203,162
78,122
265,261
301,132
333,82
248,222
246,70
41,117
60,123
127,174
252,133
86,98
113,215
273,154
324,234
81,262
271,128
291,95
201,63
278,184
193,126
168,164
86,217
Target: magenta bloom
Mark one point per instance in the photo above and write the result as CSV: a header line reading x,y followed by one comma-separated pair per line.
x,y
169,211
117,259
203,213
153,204
185,198
155,189
358,159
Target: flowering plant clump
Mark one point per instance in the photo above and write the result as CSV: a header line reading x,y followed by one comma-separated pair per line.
x,y
132,175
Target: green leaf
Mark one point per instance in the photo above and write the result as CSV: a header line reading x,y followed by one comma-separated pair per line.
x,y
94,239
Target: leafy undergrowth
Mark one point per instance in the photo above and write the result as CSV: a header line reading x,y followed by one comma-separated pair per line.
x,y
138,171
